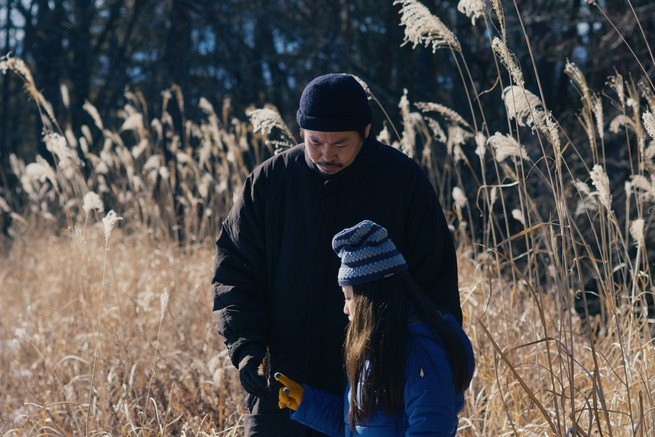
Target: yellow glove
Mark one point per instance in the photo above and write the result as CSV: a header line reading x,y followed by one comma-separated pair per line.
x,y
290,395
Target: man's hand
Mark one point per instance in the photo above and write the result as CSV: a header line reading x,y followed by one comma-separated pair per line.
x,y
289,396
251,376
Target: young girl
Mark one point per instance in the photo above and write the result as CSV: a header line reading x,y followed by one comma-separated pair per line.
x,y
407,364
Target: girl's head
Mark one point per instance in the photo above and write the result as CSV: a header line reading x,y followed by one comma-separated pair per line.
x,y
367,256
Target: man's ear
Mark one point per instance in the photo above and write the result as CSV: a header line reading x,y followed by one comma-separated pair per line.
x,y
367,130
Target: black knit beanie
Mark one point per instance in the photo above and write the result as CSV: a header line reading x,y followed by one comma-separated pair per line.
x,y
333,103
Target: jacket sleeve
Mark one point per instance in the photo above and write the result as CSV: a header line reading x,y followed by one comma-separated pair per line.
x,y
321,411
431,404
431,252
239,282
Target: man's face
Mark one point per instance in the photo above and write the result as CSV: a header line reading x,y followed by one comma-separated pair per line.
x,y
333,151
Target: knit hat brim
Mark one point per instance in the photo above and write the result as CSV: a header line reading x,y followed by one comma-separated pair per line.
x,y
337,124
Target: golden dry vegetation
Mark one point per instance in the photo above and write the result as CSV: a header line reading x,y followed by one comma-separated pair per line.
x,y
105,319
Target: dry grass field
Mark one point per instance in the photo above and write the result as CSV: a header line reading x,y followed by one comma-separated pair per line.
x,y
116,337
106,258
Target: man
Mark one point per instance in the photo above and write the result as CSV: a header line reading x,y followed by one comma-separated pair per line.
x,y
275,278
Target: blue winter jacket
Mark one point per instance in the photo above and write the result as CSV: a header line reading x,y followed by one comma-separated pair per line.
x,y
431,403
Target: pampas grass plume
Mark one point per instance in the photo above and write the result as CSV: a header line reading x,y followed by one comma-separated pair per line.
x,y
445,111
108,222
602,183
92,202
620,121
637,231
649,123
163,302
508,59
518,215
506,146
471,8
459,197
578,79
423,28
523,106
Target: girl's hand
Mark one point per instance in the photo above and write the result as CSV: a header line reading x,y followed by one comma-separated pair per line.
x,y
291,394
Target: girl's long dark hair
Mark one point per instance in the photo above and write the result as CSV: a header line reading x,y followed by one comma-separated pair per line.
x,y
377,333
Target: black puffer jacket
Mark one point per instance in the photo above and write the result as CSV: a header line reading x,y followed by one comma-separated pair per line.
x,y
275,279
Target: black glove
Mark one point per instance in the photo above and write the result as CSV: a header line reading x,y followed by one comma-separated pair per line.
x,y
252,380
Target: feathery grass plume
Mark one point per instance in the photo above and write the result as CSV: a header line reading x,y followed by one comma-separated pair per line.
x,y
164,173
141,147
508,60
65,98
86,134
456,137
56,144
92,202
549,127
384,136
266,119
620,121
497,7
93,112
108,223
84,144
647,188
493,196
506,146
437,131
34,172
616,83
408,139
637,231
206,106
163,302
472,9
364,85
7,63
587,202
649,123
649,156
481,145
459,200
17,165
517,214
158,127
134,122
421,27
459,197
578,80
602,183
4,206
523,106
647,92
68,161
445,111
597,108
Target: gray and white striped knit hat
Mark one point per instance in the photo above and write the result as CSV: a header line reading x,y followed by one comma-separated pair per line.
x,y
366,254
